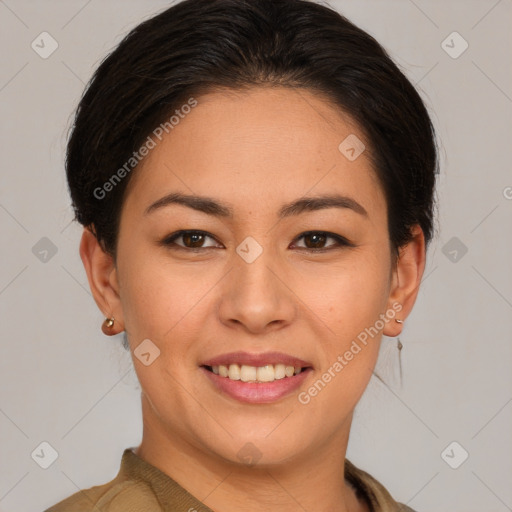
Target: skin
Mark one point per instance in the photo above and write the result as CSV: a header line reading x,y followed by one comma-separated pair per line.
x,y
254,150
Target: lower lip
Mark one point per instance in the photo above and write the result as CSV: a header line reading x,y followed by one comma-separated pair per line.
x,y
257,392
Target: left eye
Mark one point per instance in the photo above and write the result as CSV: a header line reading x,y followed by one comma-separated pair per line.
x,y
192,240
319,237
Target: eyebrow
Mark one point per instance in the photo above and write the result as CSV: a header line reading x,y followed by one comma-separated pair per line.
x,y
210,206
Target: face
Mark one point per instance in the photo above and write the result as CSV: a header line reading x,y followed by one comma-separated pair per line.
x,y
256,276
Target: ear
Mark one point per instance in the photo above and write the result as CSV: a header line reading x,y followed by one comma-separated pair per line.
x,y
102,275
406,279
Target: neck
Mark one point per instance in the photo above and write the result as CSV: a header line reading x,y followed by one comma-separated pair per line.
x,y
309,481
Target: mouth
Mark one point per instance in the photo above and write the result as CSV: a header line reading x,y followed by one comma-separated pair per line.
x,y
256,374
256,378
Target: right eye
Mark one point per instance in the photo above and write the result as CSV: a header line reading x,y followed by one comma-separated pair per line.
x,y
192,240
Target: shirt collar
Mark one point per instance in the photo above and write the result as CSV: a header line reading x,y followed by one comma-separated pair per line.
x,y
172,496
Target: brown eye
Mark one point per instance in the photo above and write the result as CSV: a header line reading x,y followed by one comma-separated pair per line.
x,y
194,239
315,241
191,240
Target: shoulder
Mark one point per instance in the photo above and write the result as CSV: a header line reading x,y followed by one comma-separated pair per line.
x,y
115,496
372,491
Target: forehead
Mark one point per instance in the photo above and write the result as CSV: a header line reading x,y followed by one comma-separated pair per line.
x,y
257,144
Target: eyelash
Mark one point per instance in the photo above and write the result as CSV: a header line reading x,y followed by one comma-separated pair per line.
x,y
340,241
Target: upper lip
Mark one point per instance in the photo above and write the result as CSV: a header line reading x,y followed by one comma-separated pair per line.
x,y
246,358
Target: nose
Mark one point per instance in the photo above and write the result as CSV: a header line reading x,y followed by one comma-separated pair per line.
x,y
257,296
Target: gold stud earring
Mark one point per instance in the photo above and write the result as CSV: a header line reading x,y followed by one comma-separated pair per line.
x,y
109,322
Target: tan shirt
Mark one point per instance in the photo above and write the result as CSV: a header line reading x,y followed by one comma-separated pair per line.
x,y
140,486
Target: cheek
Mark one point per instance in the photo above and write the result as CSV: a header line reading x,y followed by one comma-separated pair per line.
x,y
161,304
156,295
349,296
350,307
167,305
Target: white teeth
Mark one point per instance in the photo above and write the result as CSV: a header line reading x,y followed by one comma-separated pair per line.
x,y
279,371
266,373
248,373
234,372
245,373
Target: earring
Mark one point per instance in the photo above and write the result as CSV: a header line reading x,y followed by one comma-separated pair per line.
x,y
107,325
399,346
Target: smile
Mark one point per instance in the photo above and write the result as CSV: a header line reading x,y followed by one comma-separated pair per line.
x,y
246,373
252,390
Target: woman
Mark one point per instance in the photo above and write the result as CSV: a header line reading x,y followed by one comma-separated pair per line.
x,y
255,181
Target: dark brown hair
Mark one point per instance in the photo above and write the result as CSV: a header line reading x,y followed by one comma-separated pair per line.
x,y
199,46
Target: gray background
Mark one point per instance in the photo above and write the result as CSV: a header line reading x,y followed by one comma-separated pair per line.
x,y
64,382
